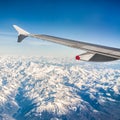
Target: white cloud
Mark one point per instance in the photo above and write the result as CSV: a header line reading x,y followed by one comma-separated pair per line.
x,y
59,85
40,43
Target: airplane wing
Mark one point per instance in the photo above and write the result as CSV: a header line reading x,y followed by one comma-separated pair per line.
x,y
96,53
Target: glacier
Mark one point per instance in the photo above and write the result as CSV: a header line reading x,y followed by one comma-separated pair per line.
x,y
48,88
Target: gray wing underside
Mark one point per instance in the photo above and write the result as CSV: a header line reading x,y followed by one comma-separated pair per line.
x,y
94,52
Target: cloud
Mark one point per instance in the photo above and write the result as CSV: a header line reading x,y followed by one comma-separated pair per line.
x,y
39,43
7,33
59,87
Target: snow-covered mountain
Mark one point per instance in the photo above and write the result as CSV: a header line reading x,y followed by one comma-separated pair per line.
x,y
44,88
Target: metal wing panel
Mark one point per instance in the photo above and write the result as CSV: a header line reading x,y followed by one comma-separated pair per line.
x,y
96,57
111,52
94,52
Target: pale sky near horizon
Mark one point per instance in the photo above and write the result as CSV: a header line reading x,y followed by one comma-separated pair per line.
x,y
95,21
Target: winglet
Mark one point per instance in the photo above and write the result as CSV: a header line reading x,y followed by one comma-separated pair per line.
x,y
21,33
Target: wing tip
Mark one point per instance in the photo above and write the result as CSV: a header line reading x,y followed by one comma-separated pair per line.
x,y
21,33
20,30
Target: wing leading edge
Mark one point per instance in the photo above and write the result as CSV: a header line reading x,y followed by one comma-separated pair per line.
x,y
94,52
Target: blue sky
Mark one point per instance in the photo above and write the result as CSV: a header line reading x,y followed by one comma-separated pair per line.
x,y
93,21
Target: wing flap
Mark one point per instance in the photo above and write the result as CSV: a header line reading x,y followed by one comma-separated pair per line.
x,y
102,58
96,57
86,56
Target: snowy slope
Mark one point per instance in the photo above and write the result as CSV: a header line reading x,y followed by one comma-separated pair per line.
x,y
53,88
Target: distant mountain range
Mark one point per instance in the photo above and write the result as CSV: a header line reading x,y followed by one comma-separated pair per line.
x,y
46,88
